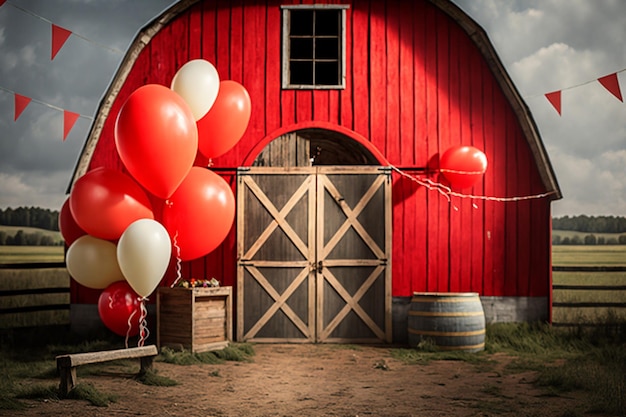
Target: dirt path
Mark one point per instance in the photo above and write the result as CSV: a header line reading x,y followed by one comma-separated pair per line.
x,y
320,380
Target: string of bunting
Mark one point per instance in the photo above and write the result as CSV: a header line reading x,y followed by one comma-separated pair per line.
x,y
60,34
610,82
22,101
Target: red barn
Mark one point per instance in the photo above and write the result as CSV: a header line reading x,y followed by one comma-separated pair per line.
x,y
350,100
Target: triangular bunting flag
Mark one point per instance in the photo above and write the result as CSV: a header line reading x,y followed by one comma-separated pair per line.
x,y
20,104
611,83
555,99
59,36
69,118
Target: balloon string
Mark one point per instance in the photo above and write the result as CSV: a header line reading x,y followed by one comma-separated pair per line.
x,y
448,193
144,333
130,325
178,261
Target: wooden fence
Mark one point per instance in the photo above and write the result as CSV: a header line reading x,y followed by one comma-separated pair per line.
x,y
598,299
38,294
34,294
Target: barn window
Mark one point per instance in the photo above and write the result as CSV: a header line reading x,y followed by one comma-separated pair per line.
x,y
314,46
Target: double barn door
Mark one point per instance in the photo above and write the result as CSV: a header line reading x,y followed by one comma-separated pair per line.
x,y
314,248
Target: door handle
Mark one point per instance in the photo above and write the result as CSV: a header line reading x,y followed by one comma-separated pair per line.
x,y
320,267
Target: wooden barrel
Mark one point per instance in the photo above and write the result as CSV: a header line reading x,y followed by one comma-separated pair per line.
x,y
452,321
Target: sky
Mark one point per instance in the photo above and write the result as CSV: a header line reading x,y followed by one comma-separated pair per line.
x,y
545,45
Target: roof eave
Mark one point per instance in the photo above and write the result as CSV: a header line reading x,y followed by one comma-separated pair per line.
x,y
478,35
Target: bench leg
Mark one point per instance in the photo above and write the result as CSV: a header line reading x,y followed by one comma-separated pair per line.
x,y
68,380
146,364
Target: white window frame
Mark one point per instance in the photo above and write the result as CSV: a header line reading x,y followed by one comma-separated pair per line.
x,y
286,25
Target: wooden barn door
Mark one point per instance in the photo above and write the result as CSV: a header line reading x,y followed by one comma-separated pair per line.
x,y
314,247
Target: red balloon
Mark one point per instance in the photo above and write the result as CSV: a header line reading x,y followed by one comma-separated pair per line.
x,y
227,120
199,215
463,166
104,202
70,230
116,304
157,138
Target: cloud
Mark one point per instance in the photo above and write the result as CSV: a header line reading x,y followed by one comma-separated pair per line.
x,y
549,45
35,163
25,190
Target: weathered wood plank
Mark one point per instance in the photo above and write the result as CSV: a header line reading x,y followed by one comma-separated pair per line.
x,y
66,364
186,317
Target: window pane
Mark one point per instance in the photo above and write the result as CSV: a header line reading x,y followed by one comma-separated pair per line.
x,y
327,22
301,22
313,47
327,48
327,73
301,72
302,48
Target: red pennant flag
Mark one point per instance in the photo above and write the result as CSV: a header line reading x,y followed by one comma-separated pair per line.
x,y
59,36
555,99
611,83
2,2
69,118
20,104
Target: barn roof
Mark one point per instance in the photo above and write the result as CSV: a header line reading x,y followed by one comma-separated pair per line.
x,y
475,32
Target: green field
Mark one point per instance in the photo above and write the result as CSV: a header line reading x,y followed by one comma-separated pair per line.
x,y
30,254
594,255
12,230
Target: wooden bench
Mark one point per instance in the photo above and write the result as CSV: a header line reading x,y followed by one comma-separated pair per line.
x,y
67,364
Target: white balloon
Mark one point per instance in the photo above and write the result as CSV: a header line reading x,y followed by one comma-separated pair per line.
x,y
92,262
143,252
197,82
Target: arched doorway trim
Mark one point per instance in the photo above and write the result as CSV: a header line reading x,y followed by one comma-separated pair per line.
x,y
256,150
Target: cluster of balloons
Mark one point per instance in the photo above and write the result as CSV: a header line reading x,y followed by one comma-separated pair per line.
x,y
463,166
117,240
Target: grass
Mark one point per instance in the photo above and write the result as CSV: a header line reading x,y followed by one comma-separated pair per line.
x,y
24,279
564,361
12,230
589,255
238,352
567,361
31,356
31,254
153,378
591,315
426,352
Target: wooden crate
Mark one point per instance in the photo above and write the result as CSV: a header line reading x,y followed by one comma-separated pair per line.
x,y
195,319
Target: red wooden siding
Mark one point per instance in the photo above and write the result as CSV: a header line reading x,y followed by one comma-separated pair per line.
x,y
416,85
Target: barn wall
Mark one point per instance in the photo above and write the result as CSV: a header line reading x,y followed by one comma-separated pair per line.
x,y
417,86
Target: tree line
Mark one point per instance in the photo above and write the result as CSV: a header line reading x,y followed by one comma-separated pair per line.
x,y
589,239
30,217
590,224
22,238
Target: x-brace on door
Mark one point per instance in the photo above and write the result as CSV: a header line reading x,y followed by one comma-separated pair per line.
x,y
314,255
